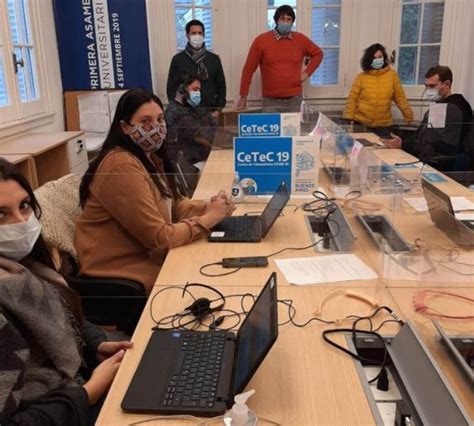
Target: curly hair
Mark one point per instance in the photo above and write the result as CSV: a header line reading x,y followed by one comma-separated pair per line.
x,y
368,57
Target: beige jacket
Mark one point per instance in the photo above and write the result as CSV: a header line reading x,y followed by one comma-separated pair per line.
x,y
125,229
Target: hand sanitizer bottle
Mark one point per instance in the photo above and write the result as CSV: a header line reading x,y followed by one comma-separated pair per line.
x,y
240,413
237,191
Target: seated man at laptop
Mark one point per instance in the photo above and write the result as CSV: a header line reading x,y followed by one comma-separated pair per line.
x,y
428,142
190,127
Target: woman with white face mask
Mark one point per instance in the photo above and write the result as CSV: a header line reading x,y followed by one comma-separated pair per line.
x,y
133,212
370,100
42,330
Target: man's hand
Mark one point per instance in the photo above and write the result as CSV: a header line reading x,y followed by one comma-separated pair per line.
x,y
394,143
215,114
107,349
242,103
304,77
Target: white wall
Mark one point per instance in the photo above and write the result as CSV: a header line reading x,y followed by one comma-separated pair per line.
x,y
53,72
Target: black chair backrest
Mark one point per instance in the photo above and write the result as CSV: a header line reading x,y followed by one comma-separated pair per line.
x,y
187,175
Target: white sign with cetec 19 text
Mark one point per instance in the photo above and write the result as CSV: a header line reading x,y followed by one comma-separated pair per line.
x,y
285,124
262,163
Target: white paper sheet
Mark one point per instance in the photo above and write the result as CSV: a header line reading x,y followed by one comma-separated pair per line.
x,y
94,121
437,115
324,269
461,204
418,203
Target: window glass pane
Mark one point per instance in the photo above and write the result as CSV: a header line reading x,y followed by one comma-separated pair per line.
x,y
20,76
30,76
328,70
3,85
326,2
205,16
183,16
429,56
181,2
278,3
407,64
410,24
202,2
325,26
13,20
432,23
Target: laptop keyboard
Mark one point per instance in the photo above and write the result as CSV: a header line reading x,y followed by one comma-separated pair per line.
x,y
242,225
194,382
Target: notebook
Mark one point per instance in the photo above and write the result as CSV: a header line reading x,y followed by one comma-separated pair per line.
x,y
251,229
199,373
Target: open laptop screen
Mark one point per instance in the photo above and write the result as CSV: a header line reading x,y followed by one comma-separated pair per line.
x,y
274,207
256,335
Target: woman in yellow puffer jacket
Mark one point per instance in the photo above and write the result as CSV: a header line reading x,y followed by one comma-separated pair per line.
x,y
370,99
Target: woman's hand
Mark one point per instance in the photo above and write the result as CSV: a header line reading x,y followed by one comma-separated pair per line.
x,y
107,349
102,377
219,207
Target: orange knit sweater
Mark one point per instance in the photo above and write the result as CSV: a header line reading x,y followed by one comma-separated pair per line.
x,y
280,64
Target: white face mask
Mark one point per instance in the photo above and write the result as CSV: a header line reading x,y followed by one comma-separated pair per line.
x,y
196,41
17,240
432,95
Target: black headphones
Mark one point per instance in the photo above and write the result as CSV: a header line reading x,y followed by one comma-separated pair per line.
x,y
201,307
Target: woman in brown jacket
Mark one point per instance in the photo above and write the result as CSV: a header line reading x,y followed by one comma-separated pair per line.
x,y
132,211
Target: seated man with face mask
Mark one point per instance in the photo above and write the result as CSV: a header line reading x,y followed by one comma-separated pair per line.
x,y
190,127
430,142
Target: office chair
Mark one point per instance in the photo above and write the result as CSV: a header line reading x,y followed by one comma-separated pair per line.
x,y
105,301
187,176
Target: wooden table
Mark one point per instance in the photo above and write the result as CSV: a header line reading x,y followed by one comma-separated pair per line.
x,y
51,152
26,164
302,381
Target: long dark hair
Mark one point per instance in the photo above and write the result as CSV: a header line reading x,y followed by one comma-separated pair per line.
x,y
368,57
40,252
127,105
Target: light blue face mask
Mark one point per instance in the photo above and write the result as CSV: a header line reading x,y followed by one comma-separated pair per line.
x,y
284,28
377,63
194,98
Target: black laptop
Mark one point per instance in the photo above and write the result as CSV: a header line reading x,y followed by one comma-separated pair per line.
x,y
199,373
251,229
442,214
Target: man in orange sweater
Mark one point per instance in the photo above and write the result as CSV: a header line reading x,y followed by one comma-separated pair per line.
x,y
280,54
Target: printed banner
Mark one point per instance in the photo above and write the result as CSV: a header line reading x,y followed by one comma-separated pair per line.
x,y
103,44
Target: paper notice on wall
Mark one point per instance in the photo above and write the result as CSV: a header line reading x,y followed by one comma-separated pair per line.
x,y
113,101
437,115
94,115
305,164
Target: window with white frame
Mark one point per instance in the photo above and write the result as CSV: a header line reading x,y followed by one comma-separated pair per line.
x,y
420,39
326,33
20,94
185,11
23,54
273,5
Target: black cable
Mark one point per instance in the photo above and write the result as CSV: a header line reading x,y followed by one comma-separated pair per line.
x,y
160,291
216,275
292,314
